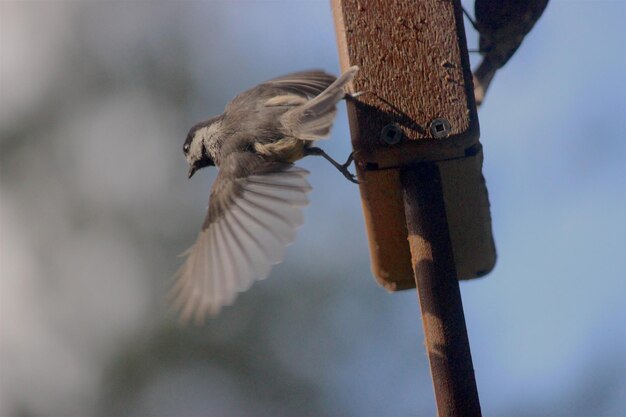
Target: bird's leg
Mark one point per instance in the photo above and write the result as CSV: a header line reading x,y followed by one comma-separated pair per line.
x,y
472,21
341,168
349,160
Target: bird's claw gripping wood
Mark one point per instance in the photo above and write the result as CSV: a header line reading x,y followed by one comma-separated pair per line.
x,y
343,168
350,176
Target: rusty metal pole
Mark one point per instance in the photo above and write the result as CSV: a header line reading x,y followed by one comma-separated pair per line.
x,y
446,340
415,132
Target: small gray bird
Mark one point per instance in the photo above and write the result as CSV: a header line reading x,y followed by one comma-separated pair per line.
x,y
502,25
256,200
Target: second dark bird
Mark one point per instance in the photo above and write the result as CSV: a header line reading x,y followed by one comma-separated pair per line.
x,y
502,25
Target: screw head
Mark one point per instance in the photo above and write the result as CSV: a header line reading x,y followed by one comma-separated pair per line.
x,y
391,134
440,128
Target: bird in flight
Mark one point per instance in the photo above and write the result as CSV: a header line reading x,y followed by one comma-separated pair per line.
x,y
256,201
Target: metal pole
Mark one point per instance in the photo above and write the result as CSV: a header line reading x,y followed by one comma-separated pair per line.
x,y
416,72
447,343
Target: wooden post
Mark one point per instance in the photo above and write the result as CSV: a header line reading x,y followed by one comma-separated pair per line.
x,y
415,132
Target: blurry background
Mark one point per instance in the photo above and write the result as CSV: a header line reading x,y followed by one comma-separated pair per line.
x,y
95,101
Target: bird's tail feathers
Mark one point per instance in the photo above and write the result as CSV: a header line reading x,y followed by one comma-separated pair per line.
x,y
313,120
482,78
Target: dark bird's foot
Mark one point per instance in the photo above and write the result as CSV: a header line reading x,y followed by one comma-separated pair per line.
x,y
471,20
343,168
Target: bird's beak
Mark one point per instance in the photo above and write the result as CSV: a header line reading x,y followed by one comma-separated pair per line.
x,y
192,170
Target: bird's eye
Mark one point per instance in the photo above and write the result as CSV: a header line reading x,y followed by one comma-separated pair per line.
x,y
186,148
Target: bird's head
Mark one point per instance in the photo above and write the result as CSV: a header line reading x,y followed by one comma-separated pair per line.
x,y
195,147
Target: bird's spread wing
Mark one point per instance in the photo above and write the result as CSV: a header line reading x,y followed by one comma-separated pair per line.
x,y
306,83
254,210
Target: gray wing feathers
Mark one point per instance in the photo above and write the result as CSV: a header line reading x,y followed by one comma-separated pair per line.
x,y
314,119
288,100
240,245
306,83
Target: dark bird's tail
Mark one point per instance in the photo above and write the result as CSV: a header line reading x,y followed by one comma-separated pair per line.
x,y
482,78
